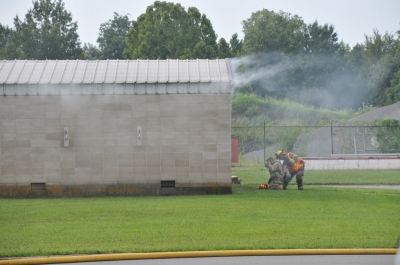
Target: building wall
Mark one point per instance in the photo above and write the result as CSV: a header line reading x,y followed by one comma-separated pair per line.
x,y
186,139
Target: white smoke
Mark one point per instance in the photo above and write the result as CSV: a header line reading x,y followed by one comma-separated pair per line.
x,y
339,89
246,77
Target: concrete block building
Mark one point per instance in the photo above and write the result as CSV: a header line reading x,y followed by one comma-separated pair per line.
x,y
115,128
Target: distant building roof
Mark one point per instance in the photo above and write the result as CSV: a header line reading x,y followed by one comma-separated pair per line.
x,y
114,71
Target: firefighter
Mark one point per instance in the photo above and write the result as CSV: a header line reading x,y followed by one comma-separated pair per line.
x,y
295,166
276,179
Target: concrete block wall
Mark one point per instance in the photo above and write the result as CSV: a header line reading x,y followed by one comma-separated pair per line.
x,y
186,139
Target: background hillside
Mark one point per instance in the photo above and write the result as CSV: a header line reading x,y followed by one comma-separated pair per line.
x,y
306,129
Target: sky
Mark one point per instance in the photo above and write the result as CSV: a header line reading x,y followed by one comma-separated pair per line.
x,y
352,19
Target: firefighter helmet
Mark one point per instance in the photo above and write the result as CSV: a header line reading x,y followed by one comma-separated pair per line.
x,y
263,186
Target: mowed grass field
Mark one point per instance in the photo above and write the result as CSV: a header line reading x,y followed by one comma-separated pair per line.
x,y
257,174
317,217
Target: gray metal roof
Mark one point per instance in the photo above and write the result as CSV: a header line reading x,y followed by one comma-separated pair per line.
x,y
114,71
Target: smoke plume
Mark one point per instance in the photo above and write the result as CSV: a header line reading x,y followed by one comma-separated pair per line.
x,y
326,81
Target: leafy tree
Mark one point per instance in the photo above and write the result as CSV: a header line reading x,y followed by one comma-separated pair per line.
x,y
201,50
393,92
167,30
207,34
236,45
5,32
112,37
47,32
378,45
382,62
321,39
381,75
224,51
267,31
388,135
303,63
355,56
91,52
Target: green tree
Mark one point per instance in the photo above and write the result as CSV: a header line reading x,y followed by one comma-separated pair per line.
x,y
378,45
224,51
5,32
208,35
303,63
91,52
167,30
47,32
267,31
388,135
321,39
382,62
236,45
112,37
392,94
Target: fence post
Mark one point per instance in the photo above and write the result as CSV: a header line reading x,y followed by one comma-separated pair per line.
x,y
264,142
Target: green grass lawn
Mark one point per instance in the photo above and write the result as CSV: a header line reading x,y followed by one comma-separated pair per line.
x,y
258,174
317,217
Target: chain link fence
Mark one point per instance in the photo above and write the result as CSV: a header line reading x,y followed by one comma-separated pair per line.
x,y
259,142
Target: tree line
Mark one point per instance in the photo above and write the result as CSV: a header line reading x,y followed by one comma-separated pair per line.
x,y
294,60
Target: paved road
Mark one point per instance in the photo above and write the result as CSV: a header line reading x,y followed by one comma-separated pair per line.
x,y
263,260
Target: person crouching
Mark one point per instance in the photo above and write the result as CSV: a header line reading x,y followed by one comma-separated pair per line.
x,y
276,180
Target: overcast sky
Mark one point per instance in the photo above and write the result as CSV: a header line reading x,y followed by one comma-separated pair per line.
x,y
351,18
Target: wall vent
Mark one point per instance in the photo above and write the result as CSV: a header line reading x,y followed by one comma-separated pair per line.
x,y
168,184
38,186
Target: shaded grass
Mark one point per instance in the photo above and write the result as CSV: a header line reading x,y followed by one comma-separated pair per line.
x,y
317,217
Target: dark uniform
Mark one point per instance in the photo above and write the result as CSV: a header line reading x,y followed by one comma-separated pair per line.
x,y
295,167
276,179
